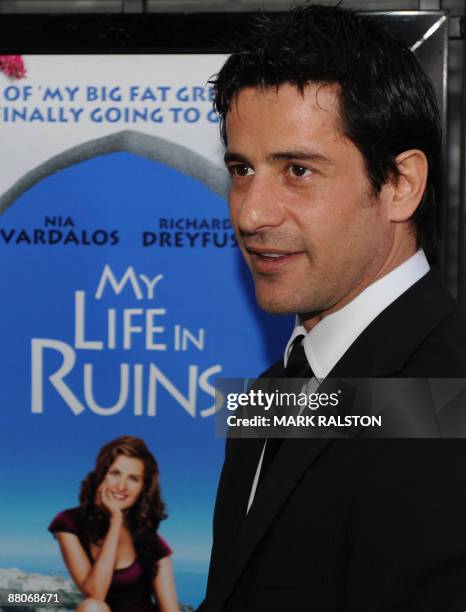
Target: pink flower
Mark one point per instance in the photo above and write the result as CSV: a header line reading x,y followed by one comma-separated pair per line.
x,y
13,65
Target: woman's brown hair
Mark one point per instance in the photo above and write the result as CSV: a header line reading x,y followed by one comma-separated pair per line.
x,y
143,517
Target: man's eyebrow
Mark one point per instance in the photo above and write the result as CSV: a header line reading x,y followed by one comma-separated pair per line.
x,y
301,155
235,157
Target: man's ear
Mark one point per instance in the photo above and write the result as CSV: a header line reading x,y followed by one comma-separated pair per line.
x,y
408,188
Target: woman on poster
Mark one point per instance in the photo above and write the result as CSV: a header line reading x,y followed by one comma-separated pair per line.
x,y
110,543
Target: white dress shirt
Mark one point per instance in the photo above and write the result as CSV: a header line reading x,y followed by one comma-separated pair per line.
x,y
327,342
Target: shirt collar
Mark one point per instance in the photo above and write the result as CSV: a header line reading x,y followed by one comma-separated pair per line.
x,y
332,336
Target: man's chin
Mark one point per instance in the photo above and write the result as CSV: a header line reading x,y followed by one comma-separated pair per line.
x,y
274,305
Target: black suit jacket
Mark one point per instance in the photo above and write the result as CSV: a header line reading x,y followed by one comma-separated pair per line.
x,y
353,525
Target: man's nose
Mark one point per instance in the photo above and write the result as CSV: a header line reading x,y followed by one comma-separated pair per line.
x,y
259,205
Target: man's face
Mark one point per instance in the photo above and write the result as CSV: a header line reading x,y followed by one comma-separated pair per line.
x,y
308,224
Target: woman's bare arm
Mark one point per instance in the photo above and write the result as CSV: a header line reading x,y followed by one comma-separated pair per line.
x,y
94,580
164,586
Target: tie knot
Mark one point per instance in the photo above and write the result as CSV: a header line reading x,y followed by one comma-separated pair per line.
x,y
297,365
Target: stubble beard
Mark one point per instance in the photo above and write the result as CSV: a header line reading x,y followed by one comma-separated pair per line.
x,y
284,301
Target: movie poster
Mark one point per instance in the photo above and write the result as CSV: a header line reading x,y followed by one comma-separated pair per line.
x,y
123,297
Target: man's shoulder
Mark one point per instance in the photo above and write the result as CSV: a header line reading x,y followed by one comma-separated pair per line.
x,y
420,334
443,352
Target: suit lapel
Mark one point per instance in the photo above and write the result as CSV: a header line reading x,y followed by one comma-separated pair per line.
x,y
292,461
236,482
242,458
381,350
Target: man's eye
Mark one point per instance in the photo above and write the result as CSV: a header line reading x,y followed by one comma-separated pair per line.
x,y
240,170
299,171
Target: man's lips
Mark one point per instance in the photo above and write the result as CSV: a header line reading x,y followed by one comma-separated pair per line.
x,y
269,259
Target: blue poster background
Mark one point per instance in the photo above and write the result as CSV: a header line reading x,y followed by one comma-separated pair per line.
x,y
124,272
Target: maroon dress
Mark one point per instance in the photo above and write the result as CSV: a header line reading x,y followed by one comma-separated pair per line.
x,y
131,588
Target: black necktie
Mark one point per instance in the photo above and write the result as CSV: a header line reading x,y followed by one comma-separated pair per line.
x,y
297,366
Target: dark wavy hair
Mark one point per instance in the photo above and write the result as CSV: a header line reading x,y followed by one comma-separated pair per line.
x,y
387,103
143,517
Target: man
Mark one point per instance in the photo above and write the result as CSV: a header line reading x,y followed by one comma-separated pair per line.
x,y
332,143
